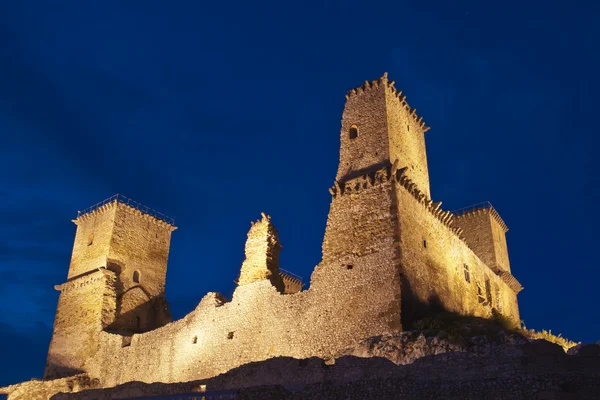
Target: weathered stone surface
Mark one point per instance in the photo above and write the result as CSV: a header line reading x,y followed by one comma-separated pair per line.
x,y
407,347
262,255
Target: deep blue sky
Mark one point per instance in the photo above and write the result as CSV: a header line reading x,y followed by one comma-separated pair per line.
x,y
215,112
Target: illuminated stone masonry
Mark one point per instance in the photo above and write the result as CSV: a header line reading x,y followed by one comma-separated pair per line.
x,y
391,256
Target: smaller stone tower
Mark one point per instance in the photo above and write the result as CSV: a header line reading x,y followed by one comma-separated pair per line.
x,y
116,281
485,233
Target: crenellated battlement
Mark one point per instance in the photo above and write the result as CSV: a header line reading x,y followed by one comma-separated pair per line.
x,y
481,208
395,174
389,85
447,218
131,206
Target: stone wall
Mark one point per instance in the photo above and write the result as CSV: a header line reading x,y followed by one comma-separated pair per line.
x,y
45,389
441,273
262,255
342,305
86,305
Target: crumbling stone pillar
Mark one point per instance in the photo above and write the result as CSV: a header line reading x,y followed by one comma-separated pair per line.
x,y
262,254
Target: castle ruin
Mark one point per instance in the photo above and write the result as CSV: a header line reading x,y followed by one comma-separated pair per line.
x,y
390,256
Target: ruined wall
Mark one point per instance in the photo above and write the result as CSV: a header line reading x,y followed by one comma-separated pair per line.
x,y
37,389
342,305
441,273
262,255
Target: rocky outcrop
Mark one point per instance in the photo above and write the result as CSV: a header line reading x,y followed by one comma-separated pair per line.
x,y
406,347
586,350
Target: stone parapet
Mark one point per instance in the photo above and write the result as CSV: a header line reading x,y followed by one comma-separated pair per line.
x,y
510,280
129,205
392,173
485,207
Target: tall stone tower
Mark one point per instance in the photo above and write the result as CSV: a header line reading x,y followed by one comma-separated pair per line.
x,y
115,283
361,249
383,222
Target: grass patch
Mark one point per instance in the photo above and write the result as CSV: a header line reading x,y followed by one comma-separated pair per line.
x,y
565,343
458,328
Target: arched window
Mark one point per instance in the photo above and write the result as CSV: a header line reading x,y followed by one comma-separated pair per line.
x,y
136,276
353,133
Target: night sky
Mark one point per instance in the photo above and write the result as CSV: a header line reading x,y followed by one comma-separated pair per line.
x,y
215,112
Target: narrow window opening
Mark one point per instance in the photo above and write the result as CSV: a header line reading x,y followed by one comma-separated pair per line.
x,y
353,132
90,239
195,340
138,322
424,243
136,276
230,335
467,274
349,266
488,291
480,294
498,299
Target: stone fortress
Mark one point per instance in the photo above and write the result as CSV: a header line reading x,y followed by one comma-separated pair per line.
x,y
390,256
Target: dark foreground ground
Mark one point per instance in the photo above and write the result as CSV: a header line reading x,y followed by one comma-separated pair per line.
x,y
403,365
535,370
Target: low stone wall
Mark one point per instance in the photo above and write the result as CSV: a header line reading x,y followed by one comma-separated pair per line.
x,y
46,389
536,370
